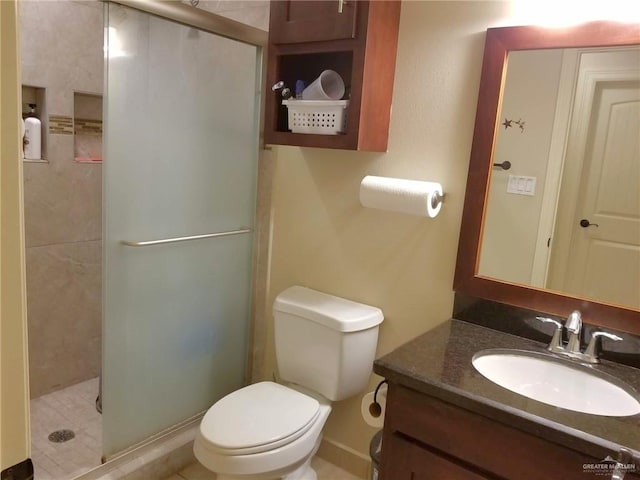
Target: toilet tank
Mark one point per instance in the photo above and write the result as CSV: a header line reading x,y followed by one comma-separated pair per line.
x,y
325,343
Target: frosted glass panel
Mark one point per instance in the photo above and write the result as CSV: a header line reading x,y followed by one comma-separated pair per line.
x,y
180,159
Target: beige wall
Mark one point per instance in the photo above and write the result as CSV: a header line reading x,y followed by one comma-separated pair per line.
x,y
324,239
14,421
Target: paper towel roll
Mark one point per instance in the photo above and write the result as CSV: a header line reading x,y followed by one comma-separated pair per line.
x,y
399,195
366,410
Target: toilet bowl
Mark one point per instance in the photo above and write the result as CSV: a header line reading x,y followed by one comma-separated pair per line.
x,y
263,431
325,347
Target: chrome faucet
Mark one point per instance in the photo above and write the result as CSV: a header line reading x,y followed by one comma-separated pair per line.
x,y
573,325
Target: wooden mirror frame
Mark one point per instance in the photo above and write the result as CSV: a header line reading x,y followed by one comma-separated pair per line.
x,y
499,42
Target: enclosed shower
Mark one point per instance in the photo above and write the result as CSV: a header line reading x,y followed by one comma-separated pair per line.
x,y
169,173
181,143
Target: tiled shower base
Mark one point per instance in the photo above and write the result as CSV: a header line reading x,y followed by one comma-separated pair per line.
x,y
72,408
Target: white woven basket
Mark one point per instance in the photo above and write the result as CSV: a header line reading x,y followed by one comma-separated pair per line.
x,y
326,117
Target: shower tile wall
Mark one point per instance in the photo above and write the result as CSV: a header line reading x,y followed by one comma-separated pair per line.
x,y
61,48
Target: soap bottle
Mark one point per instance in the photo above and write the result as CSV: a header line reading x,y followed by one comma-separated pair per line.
x,y
32,135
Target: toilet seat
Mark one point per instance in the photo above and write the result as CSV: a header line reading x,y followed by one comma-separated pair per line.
x,y
258,418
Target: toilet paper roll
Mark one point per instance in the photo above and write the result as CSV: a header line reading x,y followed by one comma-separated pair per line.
x,y
374,416
399,195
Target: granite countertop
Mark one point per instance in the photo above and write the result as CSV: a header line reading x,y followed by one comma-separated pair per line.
x,y
438,363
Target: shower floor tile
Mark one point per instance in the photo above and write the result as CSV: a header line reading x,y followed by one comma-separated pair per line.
x,y
72,408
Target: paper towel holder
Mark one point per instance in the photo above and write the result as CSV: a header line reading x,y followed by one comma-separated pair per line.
x,y
401,195
436,199
375,409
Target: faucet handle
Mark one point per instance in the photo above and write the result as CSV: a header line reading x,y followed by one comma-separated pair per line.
x,y
550,320
592,350
606,334
556,341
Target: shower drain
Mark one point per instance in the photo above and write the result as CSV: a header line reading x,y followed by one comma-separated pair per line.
x,y
60,436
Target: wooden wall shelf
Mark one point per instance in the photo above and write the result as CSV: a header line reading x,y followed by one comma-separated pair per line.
x,y
360,44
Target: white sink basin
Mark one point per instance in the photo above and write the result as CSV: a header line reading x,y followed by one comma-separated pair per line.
x,y
557,382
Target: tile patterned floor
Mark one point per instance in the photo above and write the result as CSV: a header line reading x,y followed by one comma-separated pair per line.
x,y
324,469
70,408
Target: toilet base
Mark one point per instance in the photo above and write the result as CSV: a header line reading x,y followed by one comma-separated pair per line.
x,y
303,472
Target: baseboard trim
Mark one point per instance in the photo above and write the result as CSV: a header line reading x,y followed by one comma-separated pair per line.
x,y
20,471
345,457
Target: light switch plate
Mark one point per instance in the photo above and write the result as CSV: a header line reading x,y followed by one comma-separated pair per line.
x,y
521,185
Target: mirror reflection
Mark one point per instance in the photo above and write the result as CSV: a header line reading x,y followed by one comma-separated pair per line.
x,y
563,207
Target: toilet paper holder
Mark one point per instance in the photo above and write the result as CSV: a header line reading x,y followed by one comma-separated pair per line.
x,y
375,409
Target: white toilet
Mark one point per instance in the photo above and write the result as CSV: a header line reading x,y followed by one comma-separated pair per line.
x,y
325,347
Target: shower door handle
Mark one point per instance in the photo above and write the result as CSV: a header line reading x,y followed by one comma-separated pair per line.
x,y
164,241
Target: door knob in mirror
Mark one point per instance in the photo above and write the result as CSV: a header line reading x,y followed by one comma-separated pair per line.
x,y
584,223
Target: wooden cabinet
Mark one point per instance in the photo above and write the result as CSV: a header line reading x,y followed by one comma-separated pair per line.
x,y
312,21
426,438
307,37
413,461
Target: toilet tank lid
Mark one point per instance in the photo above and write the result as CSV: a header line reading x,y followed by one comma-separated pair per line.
x,y
333,312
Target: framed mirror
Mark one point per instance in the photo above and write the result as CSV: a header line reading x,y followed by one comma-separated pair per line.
x,y
551,217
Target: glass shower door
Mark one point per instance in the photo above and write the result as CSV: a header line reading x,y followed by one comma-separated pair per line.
x,y
181,144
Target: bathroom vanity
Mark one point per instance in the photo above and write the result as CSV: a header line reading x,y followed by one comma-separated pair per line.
x,y
444,420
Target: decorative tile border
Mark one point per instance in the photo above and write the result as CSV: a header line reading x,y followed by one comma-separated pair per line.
x,y
59,124
85,126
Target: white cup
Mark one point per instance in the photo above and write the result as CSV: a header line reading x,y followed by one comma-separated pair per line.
x,y
328,86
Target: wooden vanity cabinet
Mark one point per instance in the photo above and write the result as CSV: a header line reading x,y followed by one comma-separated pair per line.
x,y
412,460
426,438
307,37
